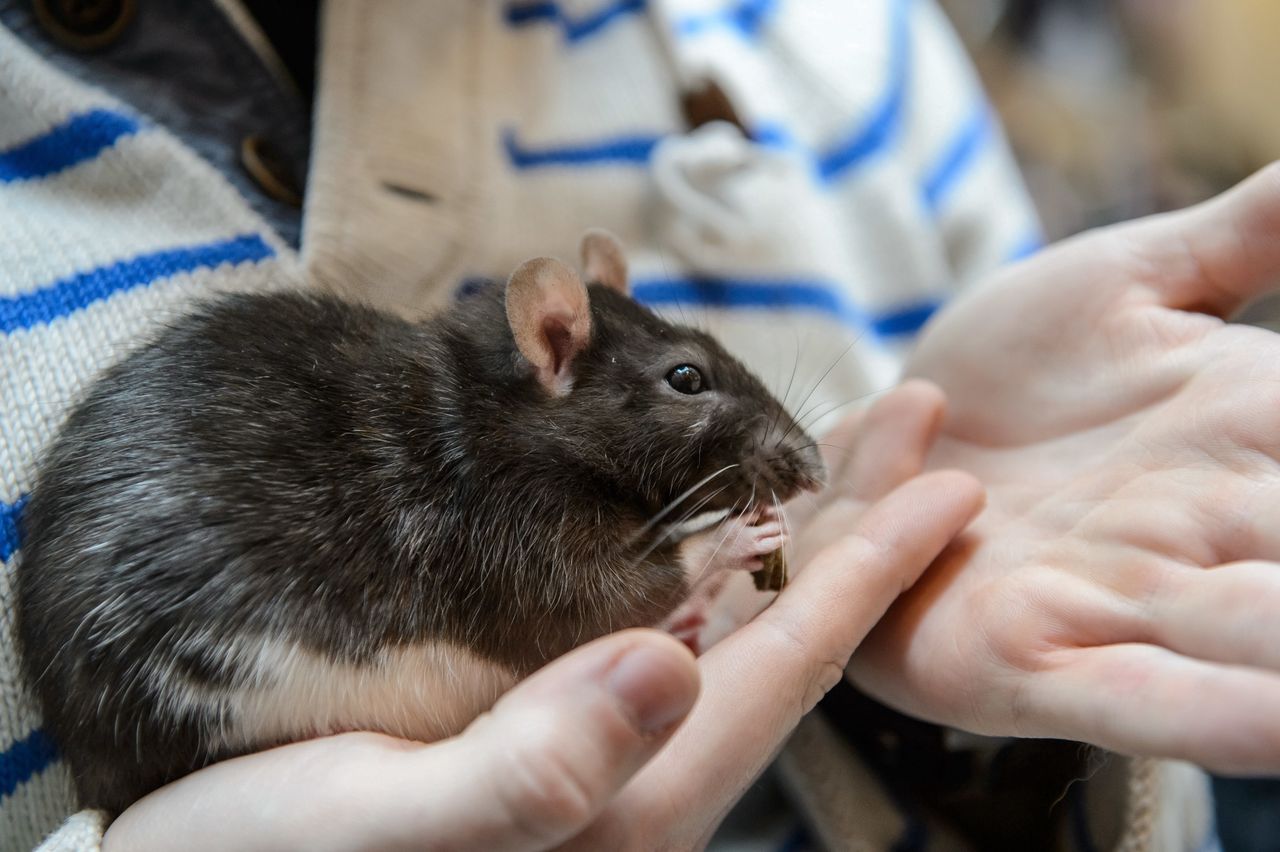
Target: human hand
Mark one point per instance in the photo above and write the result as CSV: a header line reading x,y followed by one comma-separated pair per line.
x,y
555,757
527,775
1121,588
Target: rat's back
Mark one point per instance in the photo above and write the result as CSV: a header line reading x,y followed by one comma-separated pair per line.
x,y
186,495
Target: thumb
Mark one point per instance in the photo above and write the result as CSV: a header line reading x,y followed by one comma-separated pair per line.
x,y
552,753
1219,254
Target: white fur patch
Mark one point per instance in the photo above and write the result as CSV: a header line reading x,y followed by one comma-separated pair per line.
x,y
425,692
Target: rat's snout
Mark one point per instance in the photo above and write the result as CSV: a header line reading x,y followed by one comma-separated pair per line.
x,y
786,460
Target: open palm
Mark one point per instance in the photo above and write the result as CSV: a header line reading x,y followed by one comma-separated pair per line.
x,y
1123,585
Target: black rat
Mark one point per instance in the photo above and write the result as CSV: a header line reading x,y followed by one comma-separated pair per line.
x,y
289,515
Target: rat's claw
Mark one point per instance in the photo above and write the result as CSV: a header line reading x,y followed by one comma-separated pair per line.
x,y
767,537
746,540
738,543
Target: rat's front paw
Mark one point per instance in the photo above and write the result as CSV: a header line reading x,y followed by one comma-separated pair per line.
x,y
736,544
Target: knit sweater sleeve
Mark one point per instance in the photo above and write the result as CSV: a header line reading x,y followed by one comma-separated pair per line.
x,y
108,226
82,832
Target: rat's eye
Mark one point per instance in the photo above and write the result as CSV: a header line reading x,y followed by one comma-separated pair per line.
x,y
685,379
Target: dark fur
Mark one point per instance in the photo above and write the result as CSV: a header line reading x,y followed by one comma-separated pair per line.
x,y
300,467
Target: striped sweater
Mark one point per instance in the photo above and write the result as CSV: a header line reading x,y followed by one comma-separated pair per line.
x,y
865,181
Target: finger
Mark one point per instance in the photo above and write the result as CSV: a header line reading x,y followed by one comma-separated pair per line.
x,y
1187,615
1218,255
837,446
907,415
555,750
845,589
896,436
761,679
1145,700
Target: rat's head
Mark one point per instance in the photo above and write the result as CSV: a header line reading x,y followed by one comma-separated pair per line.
x,y
657,410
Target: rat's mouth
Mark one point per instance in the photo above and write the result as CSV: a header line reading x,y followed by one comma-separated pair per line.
x,y
759,478
751,483
781,476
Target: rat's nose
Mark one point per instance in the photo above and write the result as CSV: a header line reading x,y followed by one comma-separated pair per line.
x,y
806,465
788,459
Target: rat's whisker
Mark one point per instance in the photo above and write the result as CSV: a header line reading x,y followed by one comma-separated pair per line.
x,y
689,492
694,510
674,526
818,383
782,454
728,531
819,410
795,364
786,528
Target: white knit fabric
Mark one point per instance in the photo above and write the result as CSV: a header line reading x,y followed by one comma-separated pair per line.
x,y
82,832
872,183
141,196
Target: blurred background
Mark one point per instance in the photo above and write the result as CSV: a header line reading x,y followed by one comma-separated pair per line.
x,y
1118,108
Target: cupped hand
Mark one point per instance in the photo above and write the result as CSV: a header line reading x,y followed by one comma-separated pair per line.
x,y
591,751
1122,587
528,774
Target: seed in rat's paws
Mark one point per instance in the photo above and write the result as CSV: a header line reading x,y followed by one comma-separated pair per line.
x,y
773,576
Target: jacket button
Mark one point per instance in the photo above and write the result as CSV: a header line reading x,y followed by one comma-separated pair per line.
x,y
84,24
269,170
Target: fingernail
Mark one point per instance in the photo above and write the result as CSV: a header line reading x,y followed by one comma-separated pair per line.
x,y
651,689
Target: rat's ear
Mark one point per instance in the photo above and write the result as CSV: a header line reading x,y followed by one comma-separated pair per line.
x,y
603,260
550,318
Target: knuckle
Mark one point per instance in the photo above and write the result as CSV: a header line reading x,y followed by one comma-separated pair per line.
x,y
825,676
784,641
543,792
1013,617
857,548
818,672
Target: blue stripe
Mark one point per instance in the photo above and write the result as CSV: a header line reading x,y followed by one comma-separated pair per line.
x,y
746,18
904,321
84,288
11,527
525,14
74,141
814,296
959,156
773,134
886,118
623,149
1025,247
25,759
